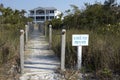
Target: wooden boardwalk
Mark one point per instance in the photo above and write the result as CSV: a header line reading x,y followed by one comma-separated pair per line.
x,y
40,62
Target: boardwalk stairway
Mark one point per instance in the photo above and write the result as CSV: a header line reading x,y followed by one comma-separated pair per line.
x,y
40,63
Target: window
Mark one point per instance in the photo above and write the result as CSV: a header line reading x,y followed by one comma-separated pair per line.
x,y
40,12
51,11
51,17
41,18
47,12
31,12
47,17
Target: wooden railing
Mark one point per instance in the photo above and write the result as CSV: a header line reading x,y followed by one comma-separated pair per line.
x,y
63,45
28,30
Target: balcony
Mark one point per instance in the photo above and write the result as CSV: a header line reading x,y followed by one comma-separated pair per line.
x,y
42,14
40,19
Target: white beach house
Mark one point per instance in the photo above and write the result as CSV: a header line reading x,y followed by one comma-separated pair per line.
x,y
41,14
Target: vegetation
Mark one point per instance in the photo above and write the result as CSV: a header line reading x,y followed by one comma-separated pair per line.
x,y
102,23
11,21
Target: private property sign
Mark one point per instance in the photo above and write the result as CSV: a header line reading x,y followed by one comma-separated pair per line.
x,y
80,39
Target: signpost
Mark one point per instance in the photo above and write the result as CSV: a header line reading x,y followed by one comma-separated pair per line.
x,y
80,40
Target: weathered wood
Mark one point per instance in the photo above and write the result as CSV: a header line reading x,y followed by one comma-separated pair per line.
x,y
26,32
22,51
63,44
48,63
45,30
29,29
50,36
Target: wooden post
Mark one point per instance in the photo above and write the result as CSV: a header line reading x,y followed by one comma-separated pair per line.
x,y
22,51
79,54
45,30
50,36
26,32
63,45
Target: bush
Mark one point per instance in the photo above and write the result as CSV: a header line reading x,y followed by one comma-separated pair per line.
x,y
103,50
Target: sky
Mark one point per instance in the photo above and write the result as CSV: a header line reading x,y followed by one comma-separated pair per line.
x,y
61,5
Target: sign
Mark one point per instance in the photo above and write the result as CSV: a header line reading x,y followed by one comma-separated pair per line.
x,y
80,39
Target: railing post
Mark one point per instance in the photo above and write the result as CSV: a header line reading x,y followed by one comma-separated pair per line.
x,y
22,51
50,36
26,32
30,28
45,30
63,45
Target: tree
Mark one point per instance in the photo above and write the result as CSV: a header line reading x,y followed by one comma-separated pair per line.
x,y
1,5
72,17
75,9
110,3
56,23
93,17
22,12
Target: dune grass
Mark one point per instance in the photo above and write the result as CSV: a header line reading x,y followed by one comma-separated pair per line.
x,y
9,44
103,50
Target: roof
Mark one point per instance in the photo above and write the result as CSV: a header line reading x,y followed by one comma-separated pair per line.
x,y
43,8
